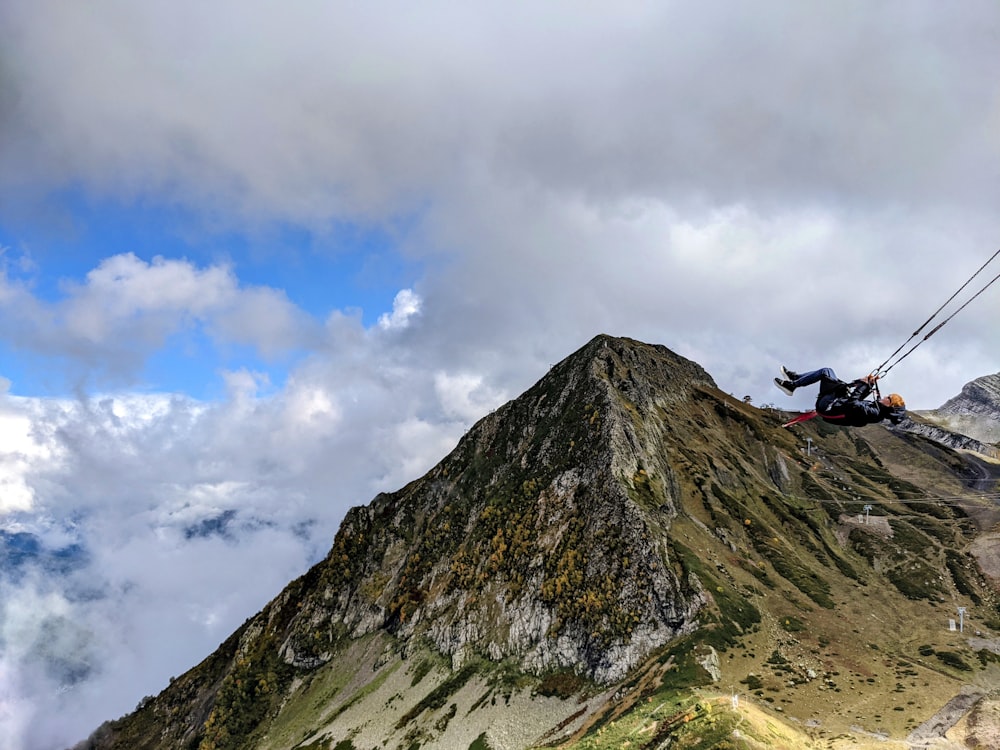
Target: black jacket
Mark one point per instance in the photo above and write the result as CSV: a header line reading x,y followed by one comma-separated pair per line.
x,y
846,404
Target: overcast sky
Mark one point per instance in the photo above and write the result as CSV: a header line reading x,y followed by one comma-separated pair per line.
x,y
259,262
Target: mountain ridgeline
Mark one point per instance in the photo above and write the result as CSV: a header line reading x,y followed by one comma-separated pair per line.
x,y
620,533
974,414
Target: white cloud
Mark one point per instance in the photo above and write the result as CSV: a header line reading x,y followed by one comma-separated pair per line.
x,y
16,709
173,500
127,308
416,445
123,285
465,396
335,111
127,304
404,307
266,319
310,408
20,453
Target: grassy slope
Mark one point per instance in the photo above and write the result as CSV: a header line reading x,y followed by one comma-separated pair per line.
x,y
876,664
840,655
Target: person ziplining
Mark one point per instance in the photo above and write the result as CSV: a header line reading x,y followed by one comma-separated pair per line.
x,y
847,403
844,403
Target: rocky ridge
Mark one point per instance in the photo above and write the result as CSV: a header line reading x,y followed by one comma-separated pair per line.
x,y
973,413
953,433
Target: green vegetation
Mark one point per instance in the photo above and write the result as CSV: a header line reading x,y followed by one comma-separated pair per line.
x,y
685,672
421,670
789,564
735,615
367,690
251,692
987,657
776,547
866,544
953,660
917,579
873,475
826,501
964,572
324,744
792,624
440,695
564,683
911,559
591,602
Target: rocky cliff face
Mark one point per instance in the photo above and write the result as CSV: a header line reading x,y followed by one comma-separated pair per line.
x,y
954,433
974,413
981,396
538,539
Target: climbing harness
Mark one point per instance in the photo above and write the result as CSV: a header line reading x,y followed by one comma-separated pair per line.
x,y
882,370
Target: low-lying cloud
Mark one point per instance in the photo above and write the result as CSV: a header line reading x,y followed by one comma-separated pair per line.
x,y
147,527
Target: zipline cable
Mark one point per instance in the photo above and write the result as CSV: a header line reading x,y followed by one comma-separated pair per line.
x,y
935,329
879,372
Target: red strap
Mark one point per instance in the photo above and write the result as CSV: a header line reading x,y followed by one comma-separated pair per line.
x,y
801,418
810,415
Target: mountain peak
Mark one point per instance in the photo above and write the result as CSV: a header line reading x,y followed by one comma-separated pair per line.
x,y
975,412
981,395
627,363
512,546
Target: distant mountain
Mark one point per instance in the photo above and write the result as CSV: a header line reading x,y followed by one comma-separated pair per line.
x,y
60,647
21,550
974,413
605,561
